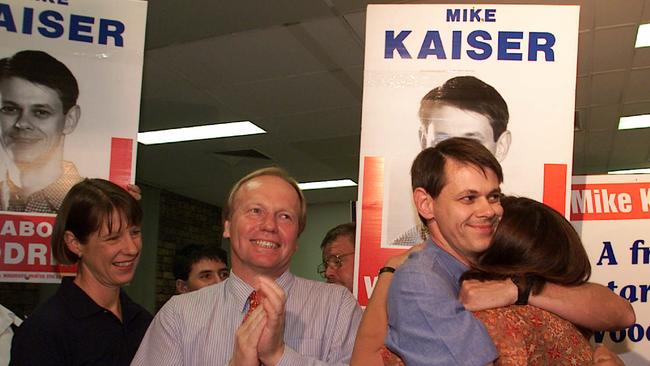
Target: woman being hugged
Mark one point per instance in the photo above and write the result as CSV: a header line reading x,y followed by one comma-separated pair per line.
x,y
533,245
90,320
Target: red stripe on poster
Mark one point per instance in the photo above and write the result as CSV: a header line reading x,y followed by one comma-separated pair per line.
x,y
121,161
371,255
555,181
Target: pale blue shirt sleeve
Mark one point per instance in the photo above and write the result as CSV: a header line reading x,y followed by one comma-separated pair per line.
x,y
161,345
341,329
429,326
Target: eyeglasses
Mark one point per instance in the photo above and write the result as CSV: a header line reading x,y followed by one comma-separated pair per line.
x,y
333,261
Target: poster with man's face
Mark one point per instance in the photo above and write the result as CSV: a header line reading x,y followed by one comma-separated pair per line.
x,y
70,81
503,75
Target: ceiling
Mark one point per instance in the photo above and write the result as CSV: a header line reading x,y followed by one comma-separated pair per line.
x,y
295,68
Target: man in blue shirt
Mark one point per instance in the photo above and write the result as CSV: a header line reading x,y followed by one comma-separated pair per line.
x,y
457,195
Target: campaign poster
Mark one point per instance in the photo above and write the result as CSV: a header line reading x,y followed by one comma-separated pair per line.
x,y
70,82
502,74
612,215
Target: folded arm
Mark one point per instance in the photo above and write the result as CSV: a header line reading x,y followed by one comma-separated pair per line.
x,y
589,305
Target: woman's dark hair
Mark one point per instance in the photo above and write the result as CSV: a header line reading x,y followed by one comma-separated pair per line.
x,y
87,206
534,241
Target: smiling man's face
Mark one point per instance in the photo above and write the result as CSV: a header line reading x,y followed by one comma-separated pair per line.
x,y
263,227
32,120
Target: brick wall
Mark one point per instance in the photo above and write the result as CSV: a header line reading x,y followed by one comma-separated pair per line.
x,y
21,298
182,221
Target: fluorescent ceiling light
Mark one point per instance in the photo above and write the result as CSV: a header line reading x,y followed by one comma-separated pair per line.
x,y
631,171
327,184
199,132
643,36
628,123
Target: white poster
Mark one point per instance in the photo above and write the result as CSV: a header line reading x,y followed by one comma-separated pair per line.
x,y
612,216
70,81
502,74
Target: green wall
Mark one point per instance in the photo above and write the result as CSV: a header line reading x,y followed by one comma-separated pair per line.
x,y
320,218
143,287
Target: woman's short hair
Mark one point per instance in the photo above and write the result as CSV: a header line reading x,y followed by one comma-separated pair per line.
x,y
536,241
87,206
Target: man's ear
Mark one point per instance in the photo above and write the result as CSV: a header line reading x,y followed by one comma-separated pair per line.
x,y
71,119
181,287
226,229
72,243
423,203
503,145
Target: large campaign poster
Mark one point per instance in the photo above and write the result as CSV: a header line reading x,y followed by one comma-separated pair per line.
x,y
511,70
612,216
70,82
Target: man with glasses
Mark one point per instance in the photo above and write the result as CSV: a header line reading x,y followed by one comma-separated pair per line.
x,y
197,266
338,255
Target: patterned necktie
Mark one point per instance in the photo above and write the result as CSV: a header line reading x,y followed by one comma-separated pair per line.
x,y
253,302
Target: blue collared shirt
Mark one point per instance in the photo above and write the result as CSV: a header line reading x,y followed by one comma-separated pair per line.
x,y
427,325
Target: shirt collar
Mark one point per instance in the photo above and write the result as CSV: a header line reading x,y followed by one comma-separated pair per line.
x,y
241,290
75,298
453,266
84,306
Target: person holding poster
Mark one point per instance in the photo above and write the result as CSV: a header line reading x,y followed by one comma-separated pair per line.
x,y
456,191
90,320
463,106
39,108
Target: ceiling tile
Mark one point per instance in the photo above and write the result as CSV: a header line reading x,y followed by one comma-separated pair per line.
x,y
585,52
603,118
613,48
638,86
630,149
289,95
583,91
641,57
332,41
357,21
632,109
174,22
614,12
606,88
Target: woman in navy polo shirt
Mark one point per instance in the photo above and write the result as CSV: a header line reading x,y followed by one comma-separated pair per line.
x,y
90,320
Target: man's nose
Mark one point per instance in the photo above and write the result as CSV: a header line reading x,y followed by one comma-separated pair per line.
x,y
269,223
23,122
487,208
330,272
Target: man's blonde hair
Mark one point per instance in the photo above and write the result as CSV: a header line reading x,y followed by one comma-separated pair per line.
x,y
274,172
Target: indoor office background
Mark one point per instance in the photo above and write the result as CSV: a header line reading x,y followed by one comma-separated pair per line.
x,y
295,69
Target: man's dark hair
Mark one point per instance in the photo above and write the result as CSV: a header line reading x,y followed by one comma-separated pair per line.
x,y
39,67
428,169
88,205
334,233
470,94
193,253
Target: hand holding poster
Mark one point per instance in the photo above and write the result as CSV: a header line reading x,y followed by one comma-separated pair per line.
x,y
70,78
